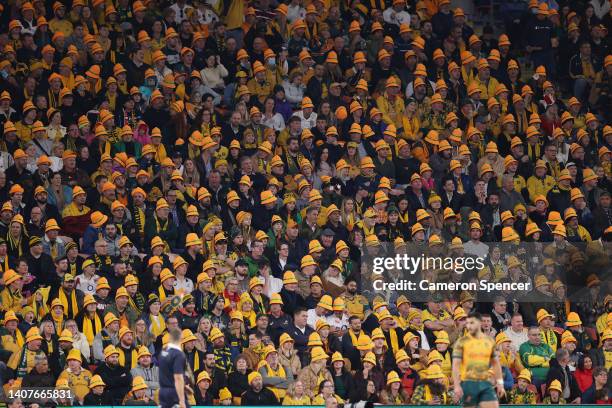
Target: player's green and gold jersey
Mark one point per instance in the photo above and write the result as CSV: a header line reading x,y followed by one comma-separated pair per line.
x,y
476,354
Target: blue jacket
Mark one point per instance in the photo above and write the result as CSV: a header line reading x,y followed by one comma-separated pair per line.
x,y
90,236
588,396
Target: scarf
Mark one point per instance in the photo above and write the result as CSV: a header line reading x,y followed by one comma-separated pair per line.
x,y
139,220
58,321
15,244
26,362
162,293
127,357
123,87
522,122
554,168
391,336
112,101
460,188
5,264
549,337
534,151
250,318
18,338
157,326
280,373
194,360
134,305
72,308
73,267
53,247
161,227
91,327
107,260
54,100
258,304
312,32
354,337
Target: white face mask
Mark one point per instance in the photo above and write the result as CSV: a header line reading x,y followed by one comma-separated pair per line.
x,y
272,61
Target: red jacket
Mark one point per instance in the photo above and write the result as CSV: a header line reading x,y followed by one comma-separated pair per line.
x,y
584,378
229,298
409,379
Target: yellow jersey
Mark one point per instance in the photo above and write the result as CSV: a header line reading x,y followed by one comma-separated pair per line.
x,y
442,315
476,353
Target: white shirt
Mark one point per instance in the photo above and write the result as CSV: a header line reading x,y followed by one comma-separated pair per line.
x,y
307,123
85,284
275,122
80,343
161,74
207,16
28,27
424,343
293,93
338,322
396,17
313,318
181,13
600,8
516,338
295,12
274,285
6,161
56,164
184,285
476,248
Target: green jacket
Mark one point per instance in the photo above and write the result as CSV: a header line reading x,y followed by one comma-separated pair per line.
x,y
254,265
536,359
130,314
120,147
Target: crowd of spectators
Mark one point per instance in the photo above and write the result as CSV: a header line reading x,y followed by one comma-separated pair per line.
x,y
231,169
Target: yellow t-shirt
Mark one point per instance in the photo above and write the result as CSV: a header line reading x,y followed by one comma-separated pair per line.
x,y
602,323
476,354
78,383
427,315
305,400
318,400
